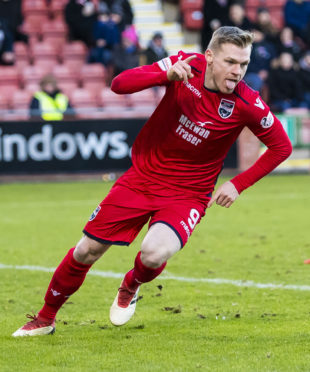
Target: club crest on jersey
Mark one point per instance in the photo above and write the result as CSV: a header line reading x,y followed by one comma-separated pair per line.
x,y
226,108
267,121
94,214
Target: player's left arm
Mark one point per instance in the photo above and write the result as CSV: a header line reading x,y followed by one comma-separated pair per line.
x,y
270,131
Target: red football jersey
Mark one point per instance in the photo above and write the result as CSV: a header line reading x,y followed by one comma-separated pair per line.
x,y
185,141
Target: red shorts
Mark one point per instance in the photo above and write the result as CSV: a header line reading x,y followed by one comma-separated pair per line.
x,y
133,201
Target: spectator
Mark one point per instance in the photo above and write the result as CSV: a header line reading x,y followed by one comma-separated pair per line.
x,y
284,85
304,77
215,15
237,17
106,36
49,103
155,50
7,56
80,16
120,11
262,54
265,25
127,54
297,16
11,14
287,43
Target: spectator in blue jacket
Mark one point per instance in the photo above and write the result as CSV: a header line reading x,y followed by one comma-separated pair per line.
x,y
106,36
297,16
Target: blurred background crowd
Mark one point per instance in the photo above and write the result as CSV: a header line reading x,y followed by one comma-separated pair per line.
x,y
64,53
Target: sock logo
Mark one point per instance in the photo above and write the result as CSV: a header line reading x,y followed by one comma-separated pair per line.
x,y
55,293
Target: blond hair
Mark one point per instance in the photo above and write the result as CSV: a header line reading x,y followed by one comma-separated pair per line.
x,y
232,35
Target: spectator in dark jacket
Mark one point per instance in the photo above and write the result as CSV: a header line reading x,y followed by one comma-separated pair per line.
x,y
215,15
80,16
284,85
127,54
237,17
7,56
287,43
155,50
263,52
304,77
11,14
264,24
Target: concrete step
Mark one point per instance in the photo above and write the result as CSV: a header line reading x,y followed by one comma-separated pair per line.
x,y
149,17
145,6
163,27
174,49
169,39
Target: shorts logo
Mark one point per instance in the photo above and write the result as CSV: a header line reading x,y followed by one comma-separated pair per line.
x,y
226,108
94,214
185,227
193,218
267,121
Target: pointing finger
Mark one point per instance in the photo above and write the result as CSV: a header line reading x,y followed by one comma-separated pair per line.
x,y
190,58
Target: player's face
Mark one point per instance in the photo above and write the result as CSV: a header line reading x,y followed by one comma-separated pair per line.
x,y
226,67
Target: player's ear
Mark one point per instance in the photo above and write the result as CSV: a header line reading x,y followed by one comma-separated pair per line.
x,y
209,56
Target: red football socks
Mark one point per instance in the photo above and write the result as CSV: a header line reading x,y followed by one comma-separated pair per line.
x,y
141,273
66,280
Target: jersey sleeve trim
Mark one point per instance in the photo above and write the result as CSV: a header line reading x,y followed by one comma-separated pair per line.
x,y
165,64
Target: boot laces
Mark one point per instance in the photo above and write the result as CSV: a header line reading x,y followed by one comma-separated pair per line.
x,y
36,322
125,295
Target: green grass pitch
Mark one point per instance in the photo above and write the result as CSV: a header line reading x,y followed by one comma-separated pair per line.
x,y
179,325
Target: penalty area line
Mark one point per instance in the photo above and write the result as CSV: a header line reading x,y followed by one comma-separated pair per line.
x,y
221,281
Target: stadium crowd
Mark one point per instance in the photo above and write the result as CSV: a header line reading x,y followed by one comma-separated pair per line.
x,y
85,43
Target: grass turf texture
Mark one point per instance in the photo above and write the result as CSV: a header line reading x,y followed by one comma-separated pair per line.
x,y
182,326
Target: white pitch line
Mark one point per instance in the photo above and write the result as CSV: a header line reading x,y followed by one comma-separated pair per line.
x,y
236,283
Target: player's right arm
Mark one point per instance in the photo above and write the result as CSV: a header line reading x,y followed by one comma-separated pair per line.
x,y
159,73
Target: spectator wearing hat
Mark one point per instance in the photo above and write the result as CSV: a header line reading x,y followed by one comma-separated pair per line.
x,y
155,50
126,55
